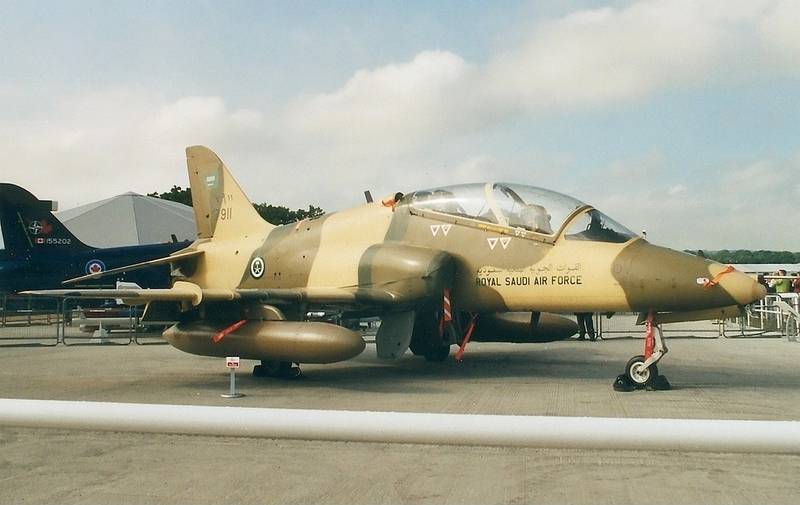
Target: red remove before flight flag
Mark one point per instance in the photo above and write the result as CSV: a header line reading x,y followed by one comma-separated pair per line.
x,y
230,329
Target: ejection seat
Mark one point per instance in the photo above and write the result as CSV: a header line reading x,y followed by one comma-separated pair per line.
x,y
535,218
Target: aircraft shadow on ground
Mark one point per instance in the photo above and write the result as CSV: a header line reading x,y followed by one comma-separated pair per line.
x,y
415,375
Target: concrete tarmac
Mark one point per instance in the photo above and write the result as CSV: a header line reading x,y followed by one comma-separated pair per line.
x,y
712,379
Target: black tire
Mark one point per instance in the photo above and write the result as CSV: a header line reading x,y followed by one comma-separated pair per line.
x,y
276,369
438,354
416,348
425,339
640,376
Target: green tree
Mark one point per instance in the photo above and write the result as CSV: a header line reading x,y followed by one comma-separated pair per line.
x,y
176,194
747,256
275,214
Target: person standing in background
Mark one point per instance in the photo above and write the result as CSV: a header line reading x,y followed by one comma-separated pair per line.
x,y
585,325
782,284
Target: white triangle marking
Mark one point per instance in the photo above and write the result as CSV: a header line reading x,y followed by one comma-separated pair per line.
x,y
492,242
505,241
446,229
435,229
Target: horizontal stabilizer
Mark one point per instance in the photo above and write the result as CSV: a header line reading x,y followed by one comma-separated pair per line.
x,y
178,256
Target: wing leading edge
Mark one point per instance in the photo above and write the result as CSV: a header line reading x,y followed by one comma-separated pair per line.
x,y
172,258
189,292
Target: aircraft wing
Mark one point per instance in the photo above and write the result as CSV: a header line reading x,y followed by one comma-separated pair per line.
x,y
189,292
181,291
181,255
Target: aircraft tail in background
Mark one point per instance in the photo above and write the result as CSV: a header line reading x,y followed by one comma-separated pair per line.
x,y
28,224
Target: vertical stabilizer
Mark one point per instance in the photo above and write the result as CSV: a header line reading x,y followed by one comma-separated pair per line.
x,y
221,209
27,224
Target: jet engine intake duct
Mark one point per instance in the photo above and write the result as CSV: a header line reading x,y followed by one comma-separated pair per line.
x,y
521,328
412,274
301,342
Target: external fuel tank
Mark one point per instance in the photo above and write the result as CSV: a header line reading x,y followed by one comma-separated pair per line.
x,y
301,342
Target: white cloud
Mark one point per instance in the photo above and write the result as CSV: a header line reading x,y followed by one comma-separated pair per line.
x,y
588,58
647,166
407,102
123,140
677,189
760,176
607,55
778,29
739,210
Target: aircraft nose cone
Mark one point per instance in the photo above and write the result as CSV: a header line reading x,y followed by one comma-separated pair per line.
x,y
657,278
742,288
759,292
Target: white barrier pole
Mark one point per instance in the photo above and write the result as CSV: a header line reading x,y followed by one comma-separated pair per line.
x,y
410,428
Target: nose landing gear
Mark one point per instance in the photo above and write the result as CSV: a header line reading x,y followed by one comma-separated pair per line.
x,y
641,371
638,373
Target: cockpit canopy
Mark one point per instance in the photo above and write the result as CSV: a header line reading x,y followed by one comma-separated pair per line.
x,y
529,211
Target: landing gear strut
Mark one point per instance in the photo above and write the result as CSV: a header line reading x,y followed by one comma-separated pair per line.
x,y
277,369
641,371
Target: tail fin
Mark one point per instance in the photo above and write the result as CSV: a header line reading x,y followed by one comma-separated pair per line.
x,y
221,209
27,223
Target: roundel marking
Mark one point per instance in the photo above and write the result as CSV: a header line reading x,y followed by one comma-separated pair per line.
x,y
95,267
257,267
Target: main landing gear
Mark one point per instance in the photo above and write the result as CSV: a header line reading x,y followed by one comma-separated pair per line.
x,y
277,369
641,371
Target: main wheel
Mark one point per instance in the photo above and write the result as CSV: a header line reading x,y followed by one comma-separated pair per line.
x,y
638,374
276,369
417,348
425,339
437,353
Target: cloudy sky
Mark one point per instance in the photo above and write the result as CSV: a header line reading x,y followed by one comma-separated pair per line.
x,y
676,116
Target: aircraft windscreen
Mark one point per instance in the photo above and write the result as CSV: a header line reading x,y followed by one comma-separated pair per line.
x,y
595,226
513,205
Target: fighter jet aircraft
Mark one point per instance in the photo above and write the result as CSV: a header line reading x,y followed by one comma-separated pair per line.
x,y
439,267
37,251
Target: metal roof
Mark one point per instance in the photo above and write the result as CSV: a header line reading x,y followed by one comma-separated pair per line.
x,y
130,219
766,268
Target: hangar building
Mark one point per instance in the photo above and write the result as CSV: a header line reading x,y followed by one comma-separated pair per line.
x,y
130,219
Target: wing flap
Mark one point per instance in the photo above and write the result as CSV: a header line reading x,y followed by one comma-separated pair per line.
x,y
319,295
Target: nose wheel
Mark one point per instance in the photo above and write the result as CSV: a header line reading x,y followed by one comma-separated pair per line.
x,y
641,371
639,374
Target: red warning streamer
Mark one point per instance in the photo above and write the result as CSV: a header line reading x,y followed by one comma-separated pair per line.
x,y
713,282
467,335
230,329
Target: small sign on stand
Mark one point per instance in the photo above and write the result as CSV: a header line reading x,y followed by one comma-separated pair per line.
x,y
232,363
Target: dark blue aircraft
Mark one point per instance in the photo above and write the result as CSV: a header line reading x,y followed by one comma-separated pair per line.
x,y
38,252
